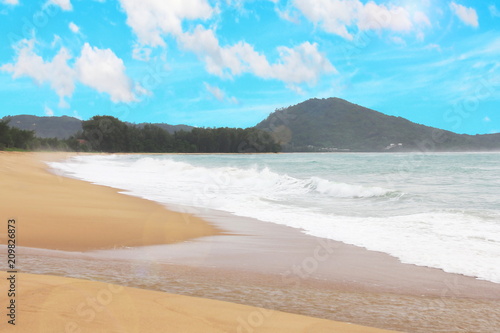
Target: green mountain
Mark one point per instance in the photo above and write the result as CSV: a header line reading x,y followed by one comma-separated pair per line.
x,y
64,127
46,127
334,124
329,124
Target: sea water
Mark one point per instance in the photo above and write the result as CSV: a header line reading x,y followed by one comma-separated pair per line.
x,y
438,210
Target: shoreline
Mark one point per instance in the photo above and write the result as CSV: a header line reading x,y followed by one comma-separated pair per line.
x,y
255,256
74,211
49,303
63,215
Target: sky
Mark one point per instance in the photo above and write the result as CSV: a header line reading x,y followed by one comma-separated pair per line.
x,y
216,63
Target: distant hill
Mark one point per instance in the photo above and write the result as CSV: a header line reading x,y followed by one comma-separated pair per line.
x,y
47,127
334,124
331,124
64,127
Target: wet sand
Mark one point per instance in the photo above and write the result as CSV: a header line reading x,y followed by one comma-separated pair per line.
x,y
56,304
277,267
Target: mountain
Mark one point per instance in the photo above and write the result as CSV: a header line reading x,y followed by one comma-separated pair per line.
x,y
64,127
331,124
47,127
334,124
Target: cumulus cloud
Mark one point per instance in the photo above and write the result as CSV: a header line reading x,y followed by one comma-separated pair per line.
x,y
467,15
64,4
304,63
99,69
151,19
340,16
105,72
73,27
56,72
10,2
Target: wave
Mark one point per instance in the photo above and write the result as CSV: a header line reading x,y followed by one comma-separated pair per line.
x,y
260,180
458,241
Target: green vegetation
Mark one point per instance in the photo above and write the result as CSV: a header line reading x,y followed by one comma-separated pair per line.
x,y
334,124
47,127
109,134
325,125
15,139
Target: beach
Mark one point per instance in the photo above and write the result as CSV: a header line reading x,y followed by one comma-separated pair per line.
x,y
56,212
60,220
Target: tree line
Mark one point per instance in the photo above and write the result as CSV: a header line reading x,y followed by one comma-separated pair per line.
x,y
12,138
109,134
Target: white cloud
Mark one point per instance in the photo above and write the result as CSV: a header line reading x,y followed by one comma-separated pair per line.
x,y
494,11
303,63
57,72
486,119
73,27
219,94
286,14
151,19
99,69
141,52
465,14
339,16
421,18
378,17
398,40
216,92
48,111
64,4
10,2
105,72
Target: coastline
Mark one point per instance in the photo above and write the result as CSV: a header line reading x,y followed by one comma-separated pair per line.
x,y
57,304
72,217
61,213
346,282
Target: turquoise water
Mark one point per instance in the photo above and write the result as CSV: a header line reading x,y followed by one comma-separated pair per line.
x,y
437,210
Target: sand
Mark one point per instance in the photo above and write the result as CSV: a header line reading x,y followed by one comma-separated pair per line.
x,y
55,212
58,213
57,304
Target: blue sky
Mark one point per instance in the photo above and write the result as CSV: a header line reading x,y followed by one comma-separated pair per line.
x,y
232,62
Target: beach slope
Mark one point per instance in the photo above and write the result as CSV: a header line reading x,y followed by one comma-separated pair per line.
x,y
55,212
58,304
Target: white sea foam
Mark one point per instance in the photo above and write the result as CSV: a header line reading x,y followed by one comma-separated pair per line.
x,y
417,231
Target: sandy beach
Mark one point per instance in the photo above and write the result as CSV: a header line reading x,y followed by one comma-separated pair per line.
x,y
55,212
56,215
56,304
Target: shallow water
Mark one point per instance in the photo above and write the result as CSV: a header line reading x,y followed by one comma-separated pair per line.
x,y
437,210
313,298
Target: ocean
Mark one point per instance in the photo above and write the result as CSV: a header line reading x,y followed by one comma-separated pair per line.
x,y
439,210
